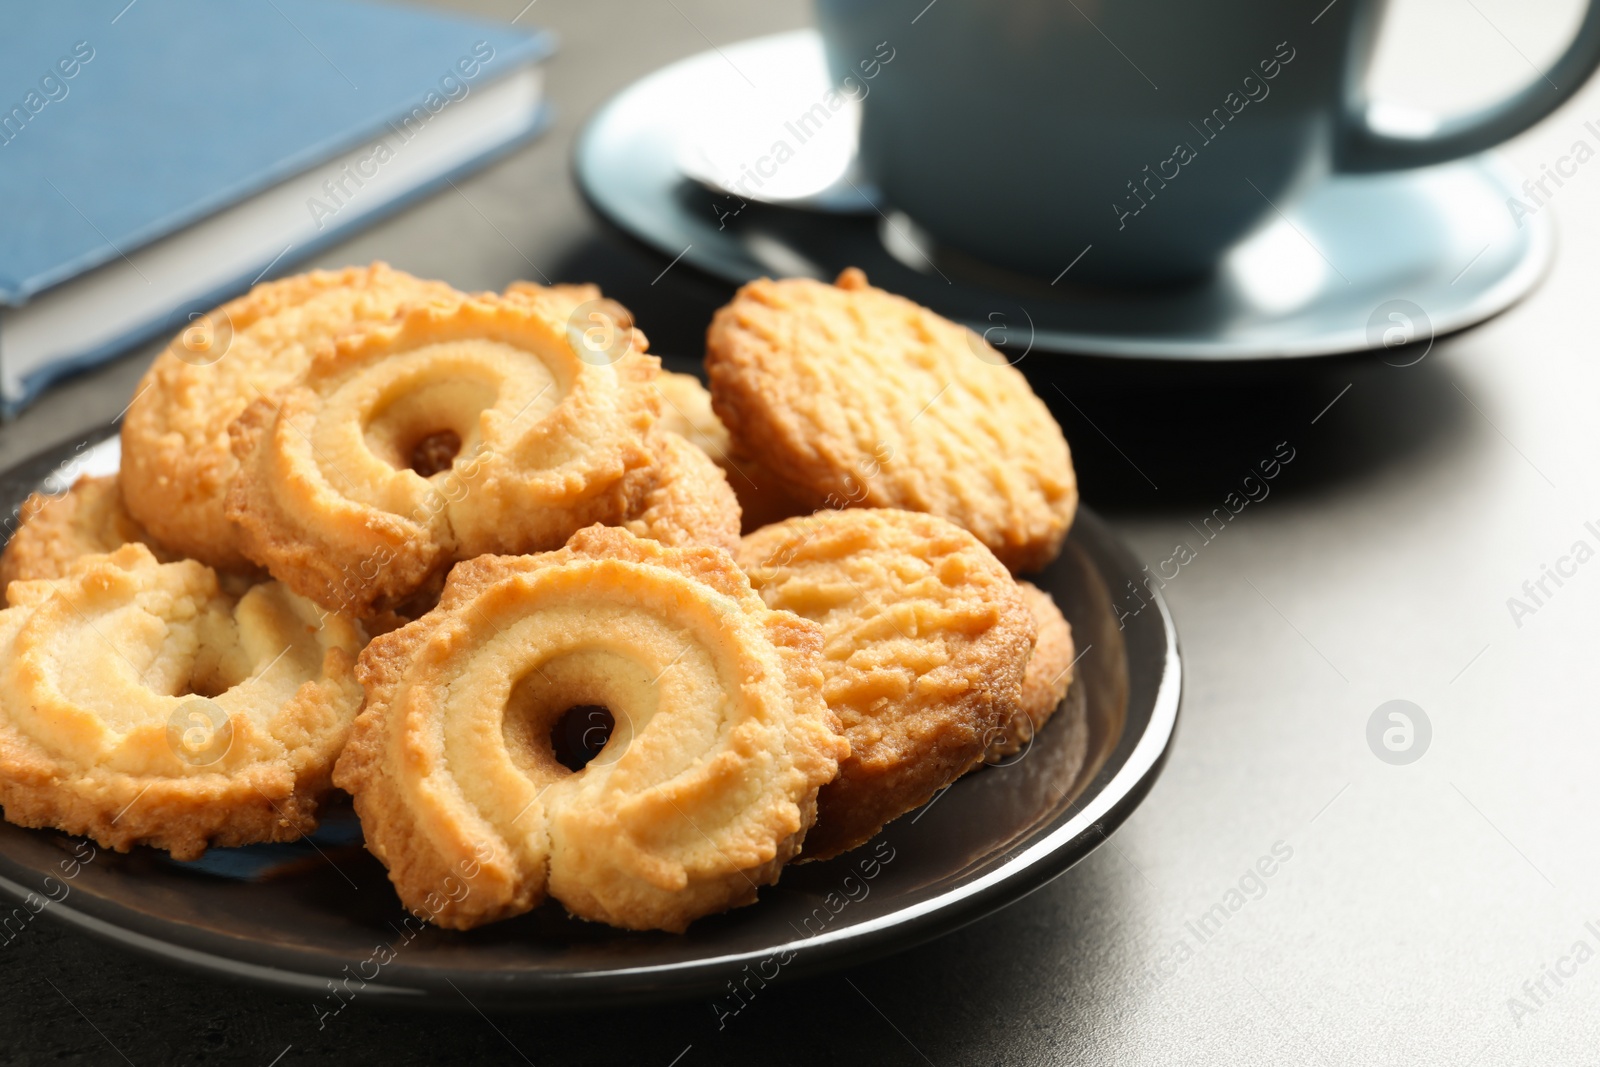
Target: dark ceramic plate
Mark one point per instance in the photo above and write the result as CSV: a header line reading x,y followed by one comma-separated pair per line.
x,y
296,916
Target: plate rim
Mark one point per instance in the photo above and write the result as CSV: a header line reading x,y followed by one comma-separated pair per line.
x,y
1036,864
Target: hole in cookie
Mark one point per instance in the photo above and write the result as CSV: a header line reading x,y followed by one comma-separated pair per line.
x,y
424,425
580,734
576,713
435,452
209,688
208,678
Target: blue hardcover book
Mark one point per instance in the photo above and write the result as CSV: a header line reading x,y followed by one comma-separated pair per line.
x,y
157,156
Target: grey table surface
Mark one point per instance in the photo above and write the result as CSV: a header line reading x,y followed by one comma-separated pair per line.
x,y
1419,908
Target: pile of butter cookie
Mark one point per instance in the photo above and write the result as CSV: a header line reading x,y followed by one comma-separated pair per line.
x,y
564,625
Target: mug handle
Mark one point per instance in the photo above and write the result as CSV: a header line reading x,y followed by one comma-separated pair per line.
x,y
1360,147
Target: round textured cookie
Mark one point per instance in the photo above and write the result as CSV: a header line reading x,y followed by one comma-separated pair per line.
x,y
701,738
1048,679
686,410
453,431
854,397
176,459
55,530
689,501
141,704
926,641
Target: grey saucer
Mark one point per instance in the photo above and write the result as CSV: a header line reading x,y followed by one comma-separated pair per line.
x,y
301,916
1436,247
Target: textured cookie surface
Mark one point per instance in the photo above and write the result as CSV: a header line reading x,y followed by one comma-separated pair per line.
x,y
926,640
703,784
1048,679
854,397
689,501
564,301
57,529
453,431
686,410
176,457
140,704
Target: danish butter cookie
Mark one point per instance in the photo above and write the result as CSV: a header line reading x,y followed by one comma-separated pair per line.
x,y
925,643
703,785
854,397
689,501
453,431
177,462
55,530
686,410
140,704
1048,678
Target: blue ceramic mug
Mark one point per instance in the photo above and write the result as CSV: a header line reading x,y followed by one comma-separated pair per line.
x,y
1154,134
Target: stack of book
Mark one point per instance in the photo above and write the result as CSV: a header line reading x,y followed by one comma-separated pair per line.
x,y
157,157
